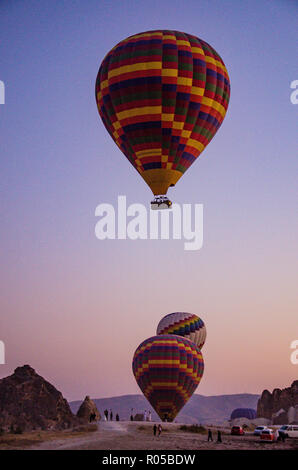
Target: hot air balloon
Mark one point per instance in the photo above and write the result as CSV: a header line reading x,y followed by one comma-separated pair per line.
x,y
168,369
162,95
248,413
183,324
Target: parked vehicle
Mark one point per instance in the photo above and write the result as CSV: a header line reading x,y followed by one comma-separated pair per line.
x,y
288,430
268,435
237,431
259,429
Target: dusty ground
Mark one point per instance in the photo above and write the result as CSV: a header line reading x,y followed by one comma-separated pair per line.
x,y
133,436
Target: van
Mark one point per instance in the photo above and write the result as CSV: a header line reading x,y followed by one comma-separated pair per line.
x,y
289,430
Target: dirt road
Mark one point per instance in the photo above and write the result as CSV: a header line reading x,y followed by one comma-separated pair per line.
x,y
125,435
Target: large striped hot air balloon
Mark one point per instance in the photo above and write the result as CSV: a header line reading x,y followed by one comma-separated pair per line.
x,y
168,369
162,95
183,324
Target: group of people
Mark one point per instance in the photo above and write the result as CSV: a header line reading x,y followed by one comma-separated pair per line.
x,y
157,430
210,437
147,415
110,415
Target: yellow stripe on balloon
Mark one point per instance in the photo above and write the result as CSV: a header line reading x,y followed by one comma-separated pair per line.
x,y
181,42
164,384
145,35
215,62
195,90
169,36
197,50
186,135
134,68
178,125
169,72
147,152
214,105
104,84
184,81
167,117
141,111
164,361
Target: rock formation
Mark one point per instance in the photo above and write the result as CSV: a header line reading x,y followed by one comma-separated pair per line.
x,y
27,401
279,406
88,410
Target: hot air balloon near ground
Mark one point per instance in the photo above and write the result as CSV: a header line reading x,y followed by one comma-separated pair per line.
x,y
162,95
168,369
183,324
248,413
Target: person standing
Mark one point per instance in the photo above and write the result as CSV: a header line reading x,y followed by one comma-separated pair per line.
x,y
219,436
111,415
149,417
159,430
117,417
154,429
106,413
145,415
210,438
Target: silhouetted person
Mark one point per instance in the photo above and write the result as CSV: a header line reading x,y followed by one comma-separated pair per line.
x,y
159,430
154,429
106,413
131,417
219,436
117,417
210,438
111,415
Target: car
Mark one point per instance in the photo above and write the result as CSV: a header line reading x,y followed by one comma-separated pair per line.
x,y
237,431
268,435
259,429
288,430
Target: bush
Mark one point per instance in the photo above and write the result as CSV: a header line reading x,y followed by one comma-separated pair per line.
x,y
195,428
18,430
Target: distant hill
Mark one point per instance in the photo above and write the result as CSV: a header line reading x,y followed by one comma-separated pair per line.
x,y
200,409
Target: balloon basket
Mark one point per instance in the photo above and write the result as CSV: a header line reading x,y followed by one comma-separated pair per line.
x,y
161,203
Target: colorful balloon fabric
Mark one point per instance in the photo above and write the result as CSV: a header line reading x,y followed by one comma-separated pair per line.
x,y
248,413
183,324
168,369
162,95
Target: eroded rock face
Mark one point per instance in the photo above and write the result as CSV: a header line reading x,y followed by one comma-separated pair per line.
x,y
88,410
28,401
270,404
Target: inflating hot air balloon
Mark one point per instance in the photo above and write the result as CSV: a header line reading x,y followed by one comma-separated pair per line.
x,y
248,413
168,369
162,95
183,324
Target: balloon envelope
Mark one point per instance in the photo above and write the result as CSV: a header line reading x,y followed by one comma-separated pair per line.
x,y
183,324
248,413
162,95
168,369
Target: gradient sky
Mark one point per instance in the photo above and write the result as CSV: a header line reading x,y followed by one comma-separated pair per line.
x,y
76,308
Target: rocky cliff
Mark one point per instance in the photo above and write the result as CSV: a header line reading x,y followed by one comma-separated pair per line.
x,y
280,406
88,411
27,401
